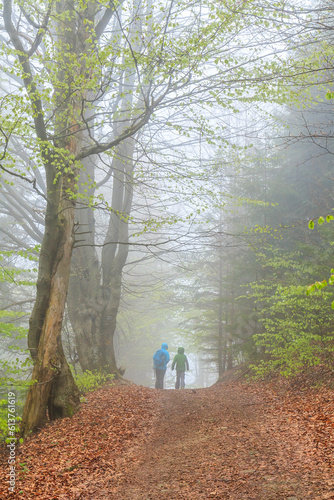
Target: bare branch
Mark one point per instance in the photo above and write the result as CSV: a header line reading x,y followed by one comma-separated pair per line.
x,y
29,19
41,31
104,21
28,80
137,124
20,176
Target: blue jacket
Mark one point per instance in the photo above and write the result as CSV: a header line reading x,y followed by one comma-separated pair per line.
x,y
164,349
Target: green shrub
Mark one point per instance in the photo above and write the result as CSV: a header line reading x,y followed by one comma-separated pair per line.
x,y
297,332
11,407
90,380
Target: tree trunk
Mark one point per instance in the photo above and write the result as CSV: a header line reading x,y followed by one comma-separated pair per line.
x,y
108,322
221,351
54,391
95,289
84,300
59,119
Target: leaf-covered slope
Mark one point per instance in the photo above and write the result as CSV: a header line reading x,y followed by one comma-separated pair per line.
x,y
231,441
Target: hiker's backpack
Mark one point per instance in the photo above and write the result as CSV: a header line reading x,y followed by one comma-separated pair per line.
x,y
159,359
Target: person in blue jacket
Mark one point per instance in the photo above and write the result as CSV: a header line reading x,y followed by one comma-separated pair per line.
x,y
160,360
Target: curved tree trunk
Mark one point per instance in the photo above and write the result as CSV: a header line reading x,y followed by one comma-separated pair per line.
x,y
54,392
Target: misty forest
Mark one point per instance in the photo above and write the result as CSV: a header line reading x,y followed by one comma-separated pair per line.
x,y
166,176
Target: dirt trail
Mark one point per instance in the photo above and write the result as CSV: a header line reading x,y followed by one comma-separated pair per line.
x,y
233,441
223,442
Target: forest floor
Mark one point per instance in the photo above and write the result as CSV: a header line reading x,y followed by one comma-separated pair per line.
x,y
235,440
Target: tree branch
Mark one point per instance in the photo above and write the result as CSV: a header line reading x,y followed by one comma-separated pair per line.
x,y
28,80
31,181
128,132
104,21
41,31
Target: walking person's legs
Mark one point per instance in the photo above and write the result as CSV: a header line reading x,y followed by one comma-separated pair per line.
x,y
159,381
182,374
177,383
156,378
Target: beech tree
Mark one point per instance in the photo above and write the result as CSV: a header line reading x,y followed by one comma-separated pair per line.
x,y
58,71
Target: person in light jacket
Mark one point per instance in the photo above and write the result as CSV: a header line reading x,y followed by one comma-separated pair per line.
x,y
181,362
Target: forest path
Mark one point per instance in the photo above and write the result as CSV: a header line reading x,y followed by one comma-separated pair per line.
x,y
231,441
226,442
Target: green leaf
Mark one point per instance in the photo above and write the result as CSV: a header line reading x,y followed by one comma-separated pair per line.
x,y
321,220
310,289
311,224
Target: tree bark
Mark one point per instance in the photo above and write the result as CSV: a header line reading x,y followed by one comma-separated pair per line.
x,y
95,287
84,300
54,394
